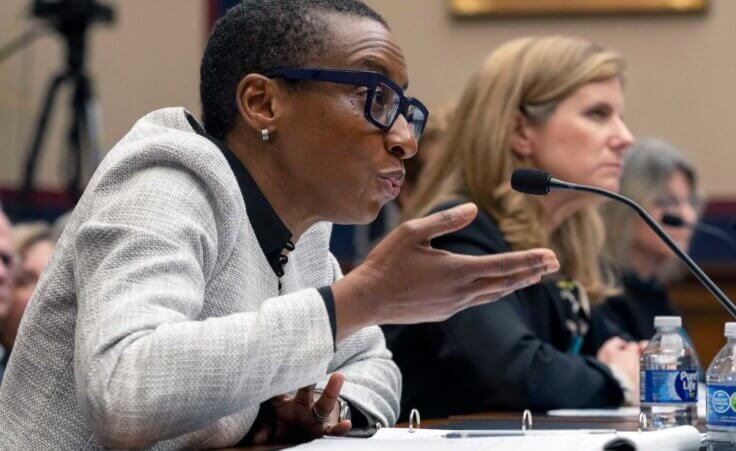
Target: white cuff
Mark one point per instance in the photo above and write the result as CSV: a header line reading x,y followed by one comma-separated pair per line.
x,y
631,397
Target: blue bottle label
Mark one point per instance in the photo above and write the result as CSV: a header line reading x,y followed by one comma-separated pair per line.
x,y
658,386
721,405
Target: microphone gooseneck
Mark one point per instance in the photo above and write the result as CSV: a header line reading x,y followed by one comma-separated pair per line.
x,y
533,181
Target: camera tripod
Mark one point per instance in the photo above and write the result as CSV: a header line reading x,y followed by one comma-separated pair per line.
x,y
84,133
71,19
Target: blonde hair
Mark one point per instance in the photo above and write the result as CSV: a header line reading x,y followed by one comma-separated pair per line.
x,y
530,75
432,138
438,123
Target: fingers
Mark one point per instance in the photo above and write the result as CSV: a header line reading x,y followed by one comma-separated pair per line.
x,y
615,343
632,348
609,348
280,400
485,299
262,436
340,428
491,290
502,286
304,396
505,264
334,385
443,222
619,351
326,403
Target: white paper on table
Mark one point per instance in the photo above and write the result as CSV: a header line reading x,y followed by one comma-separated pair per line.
x,y
405,434
623,412
683,438
611,413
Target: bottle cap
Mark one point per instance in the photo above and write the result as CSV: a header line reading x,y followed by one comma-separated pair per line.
x,y
667,321
730,330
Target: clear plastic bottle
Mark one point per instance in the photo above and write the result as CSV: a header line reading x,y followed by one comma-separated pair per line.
x,y
721,405
669,376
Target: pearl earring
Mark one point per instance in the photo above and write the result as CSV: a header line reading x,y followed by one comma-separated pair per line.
x,y
264,134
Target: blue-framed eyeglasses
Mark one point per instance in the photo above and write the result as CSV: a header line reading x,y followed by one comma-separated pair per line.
x,y
384,99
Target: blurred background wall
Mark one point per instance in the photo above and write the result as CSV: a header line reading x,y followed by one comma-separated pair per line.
x,y
681,82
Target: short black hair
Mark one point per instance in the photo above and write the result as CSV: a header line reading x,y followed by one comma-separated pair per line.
x,y
256,35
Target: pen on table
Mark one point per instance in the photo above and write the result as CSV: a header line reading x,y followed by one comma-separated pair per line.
x,y
502,433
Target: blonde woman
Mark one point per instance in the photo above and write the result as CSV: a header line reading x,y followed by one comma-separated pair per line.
x,y
553,103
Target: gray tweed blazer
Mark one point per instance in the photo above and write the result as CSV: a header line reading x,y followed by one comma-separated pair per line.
x,y
159,322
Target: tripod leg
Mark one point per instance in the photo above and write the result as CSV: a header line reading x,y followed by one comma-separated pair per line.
x,y
84,135
38,137
76,139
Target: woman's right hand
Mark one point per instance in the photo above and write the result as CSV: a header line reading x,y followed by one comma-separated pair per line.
x,y
403,280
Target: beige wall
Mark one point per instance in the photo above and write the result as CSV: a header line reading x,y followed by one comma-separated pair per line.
x,y
148,59
681,79
681,82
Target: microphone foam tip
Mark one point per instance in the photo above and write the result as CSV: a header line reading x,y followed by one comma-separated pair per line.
x,y
531,181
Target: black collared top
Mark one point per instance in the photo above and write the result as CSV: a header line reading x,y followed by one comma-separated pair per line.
x,y
272,234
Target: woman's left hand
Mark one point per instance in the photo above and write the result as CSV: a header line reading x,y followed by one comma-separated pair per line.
x,y
300,418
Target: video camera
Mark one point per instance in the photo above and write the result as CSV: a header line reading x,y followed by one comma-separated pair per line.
x,y
68,15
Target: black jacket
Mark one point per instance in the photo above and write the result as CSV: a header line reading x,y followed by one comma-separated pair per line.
x,y
516,353
634,310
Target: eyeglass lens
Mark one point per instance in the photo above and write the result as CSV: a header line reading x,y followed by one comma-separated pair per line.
x,y
416,119
385,104
6,259
670,202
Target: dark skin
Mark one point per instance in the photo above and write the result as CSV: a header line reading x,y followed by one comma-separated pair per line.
x,y
318,130
294,420
336,162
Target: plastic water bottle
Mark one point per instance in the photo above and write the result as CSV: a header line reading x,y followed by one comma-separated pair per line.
x,y
721,405
669,376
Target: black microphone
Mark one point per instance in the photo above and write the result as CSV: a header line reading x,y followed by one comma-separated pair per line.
x,y
534,181
677,221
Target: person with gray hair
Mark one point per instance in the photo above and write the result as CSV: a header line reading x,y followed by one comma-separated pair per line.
x,y
659,177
